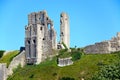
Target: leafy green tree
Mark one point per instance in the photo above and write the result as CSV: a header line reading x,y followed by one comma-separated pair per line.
x,y
108,72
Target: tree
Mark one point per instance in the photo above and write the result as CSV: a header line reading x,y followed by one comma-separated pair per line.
x,y
108,72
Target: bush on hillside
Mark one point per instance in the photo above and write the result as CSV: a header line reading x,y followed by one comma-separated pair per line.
x,y
118,54
73,49
76,55
63,53
1,53
108,72
66,78
65,46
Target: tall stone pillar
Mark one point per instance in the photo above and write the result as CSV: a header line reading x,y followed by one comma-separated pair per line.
x,y
64,29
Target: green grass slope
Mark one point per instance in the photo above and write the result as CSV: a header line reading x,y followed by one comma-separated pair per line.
x,y
8,57
48,70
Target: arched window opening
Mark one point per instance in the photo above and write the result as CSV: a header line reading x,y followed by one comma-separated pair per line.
x,y
34,41
28,42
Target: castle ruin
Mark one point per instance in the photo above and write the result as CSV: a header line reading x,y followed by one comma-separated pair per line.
x,y
40,36
104,46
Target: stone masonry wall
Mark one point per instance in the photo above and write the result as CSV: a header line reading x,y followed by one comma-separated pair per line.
x,y
65,61
3,71
40,37
104,46
18,60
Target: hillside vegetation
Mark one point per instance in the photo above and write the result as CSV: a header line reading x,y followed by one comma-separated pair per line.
x,y
109,72
85,68
8,57
1,53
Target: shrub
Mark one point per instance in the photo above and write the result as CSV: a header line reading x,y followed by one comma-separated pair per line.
x,y
1,53
100,63
66,78
65,46
108,72
76,55
73,49
31,76
54,74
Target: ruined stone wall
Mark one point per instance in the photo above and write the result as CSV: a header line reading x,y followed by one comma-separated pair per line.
x,y
52,35
105,46
47,49
64,61
3,71
18,60
101,47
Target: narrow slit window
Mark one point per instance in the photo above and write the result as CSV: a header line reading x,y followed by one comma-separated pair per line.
x,y
40,28
34,41
28,42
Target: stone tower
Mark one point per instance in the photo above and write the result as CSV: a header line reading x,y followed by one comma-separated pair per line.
x,y
64,29
40,37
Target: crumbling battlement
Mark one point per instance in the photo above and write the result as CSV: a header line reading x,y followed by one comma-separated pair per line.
x,y
105,46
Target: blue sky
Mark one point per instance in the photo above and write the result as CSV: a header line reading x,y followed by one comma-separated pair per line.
x,y
90,20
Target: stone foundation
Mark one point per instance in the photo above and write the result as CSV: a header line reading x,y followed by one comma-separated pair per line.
x,y
65,61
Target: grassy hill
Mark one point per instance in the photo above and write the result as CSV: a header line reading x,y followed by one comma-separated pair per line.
x,y
48,70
